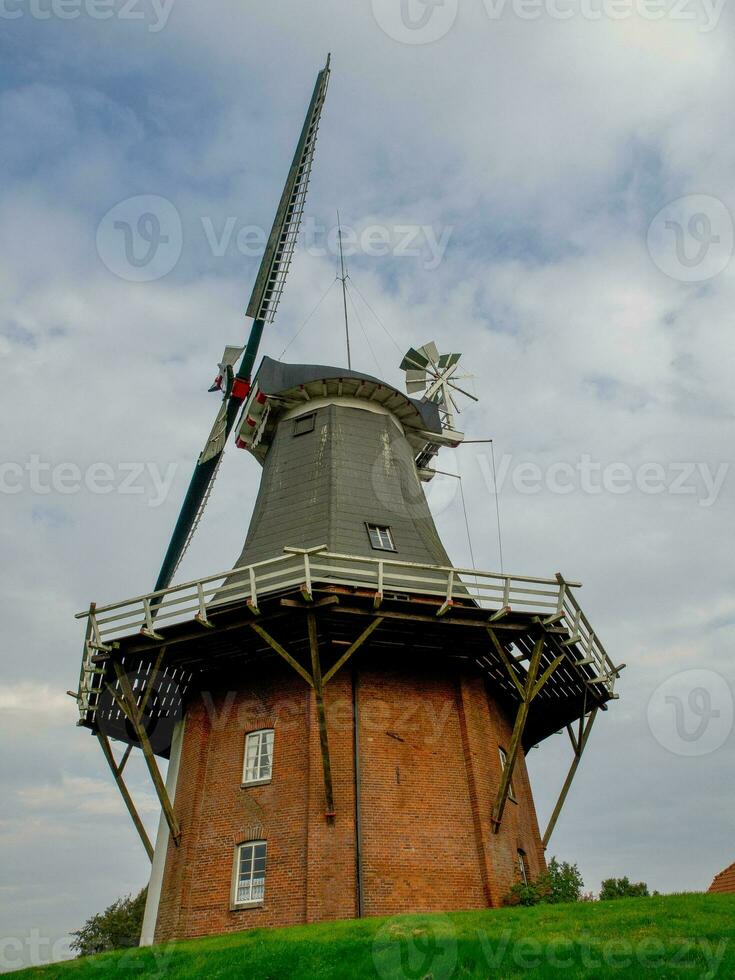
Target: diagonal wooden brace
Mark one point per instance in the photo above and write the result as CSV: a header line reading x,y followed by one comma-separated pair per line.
x,y
579,744
125,757
134,716
528,691
316,672
316,681
117,773
352,649
275,645
500,650
546,675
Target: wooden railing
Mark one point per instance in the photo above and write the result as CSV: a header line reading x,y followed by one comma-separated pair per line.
x,y
551,598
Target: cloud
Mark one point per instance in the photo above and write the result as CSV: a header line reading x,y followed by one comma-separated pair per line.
x,y
81,795
545,149
38,703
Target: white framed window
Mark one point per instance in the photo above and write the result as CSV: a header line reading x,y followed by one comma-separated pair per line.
x,y
249,878
522,866
503,762
381,537
258,766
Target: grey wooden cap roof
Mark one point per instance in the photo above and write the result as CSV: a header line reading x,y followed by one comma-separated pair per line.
x,y
277,378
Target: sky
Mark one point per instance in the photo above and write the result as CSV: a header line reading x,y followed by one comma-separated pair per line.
x,y
543,185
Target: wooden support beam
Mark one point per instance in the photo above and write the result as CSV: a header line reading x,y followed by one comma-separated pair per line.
x,y
330,600
546,675
351,649
550,620
275,645
580,747
150,634
514,627
125,757
316,671
204,622
201,617
122,705
499,614
148,648
152,677
580,725
518,728
127,701
118,700
571,640
500,650
117,773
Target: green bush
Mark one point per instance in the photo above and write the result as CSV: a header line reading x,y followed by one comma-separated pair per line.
x,y
561,882
622,888
118,927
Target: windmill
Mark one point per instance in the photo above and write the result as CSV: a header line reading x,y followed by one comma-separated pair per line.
x,y
435,375
267,291
274,811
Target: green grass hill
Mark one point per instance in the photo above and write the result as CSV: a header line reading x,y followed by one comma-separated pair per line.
x,y
690,935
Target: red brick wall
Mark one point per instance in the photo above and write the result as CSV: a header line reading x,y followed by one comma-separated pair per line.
x,y
418,834
429,772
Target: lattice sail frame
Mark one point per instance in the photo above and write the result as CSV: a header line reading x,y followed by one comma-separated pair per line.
x,y
279,251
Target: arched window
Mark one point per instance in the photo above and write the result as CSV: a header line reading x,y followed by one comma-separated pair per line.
x,y
258,764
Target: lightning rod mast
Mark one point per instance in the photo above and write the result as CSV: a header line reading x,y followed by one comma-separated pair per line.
x,y
343,280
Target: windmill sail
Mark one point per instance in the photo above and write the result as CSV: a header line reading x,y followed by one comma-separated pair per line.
x,y
262,307
282,239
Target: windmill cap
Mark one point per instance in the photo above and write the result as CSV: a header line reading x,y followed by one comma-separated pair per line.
x,y
278,378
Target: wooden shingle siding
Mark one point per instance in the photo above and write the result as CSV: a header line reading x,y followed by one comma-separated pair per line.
x,y
321,487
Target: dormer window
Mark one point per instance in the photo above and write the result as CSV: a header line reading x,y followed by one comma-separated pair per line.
x,y
381,537
304,424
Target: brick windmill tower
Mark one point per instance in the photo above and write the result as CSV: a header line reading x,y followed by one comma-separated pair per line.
x,y
345,714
